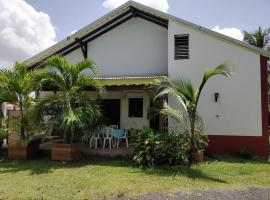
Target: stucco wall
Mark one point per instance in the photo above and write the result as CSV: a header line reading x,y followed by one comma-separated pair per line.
x,y
136,47
125,120
239,105
124,95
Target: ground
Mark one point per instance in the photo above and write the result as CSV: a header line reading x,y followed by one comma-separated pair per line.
x,y
120,179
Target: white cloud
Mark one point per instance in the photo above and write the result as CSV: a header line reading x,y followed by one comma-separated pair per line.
x,y
161,5
23,31
72,32
231,32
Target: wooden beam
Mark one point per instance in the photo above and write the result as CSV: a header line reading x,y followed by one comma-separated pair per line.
x,y
99,34
83,47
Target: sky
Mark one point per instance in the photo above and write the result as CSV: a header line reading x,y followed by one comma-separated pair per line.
x,y
30,26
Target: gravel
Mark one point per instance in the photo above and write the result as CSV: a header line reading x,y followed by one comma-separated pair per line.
x,y
245,194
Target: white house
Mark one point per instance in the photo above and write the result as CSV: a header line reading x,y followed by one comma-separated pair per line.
x,y
135,45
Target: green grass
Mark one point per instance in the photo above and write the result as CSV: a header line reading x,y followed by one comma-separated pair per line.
x,y
87,179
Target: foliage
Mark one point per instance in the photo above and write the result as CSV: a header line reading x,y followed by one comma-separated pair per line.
x,y
3,133
188,97
17,86
201,140
245,153
71,107
259,38
151,148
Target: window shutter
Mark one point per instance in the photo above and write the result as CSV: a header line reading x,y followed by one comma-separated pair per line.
x,y
181,47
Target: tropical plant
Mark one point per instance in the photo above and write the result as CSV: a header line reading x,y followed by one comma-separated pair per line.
x,y
153,148
72,106
188,97
259,38
17,87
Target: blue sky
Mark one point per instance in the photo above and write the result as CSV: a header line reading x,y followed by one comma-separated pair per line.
x,y
29,26
69,15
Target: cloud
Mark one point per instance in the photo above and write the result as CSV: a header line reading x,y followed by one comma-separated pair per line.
x,y
161,5
24,31
231,32
72,32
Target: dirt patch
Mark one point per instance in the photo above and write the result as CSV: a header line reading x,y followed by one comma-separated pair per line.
x,y
245,194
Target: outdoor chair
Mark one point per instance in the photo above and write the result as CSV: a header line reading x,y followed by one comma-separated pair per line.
x,y
107,137
102,126
119,135
95,138
114,126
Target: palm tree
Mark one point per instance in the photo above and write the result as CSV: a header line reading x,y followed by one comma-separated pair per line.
x,y
188,97
72,106
16,87
259,38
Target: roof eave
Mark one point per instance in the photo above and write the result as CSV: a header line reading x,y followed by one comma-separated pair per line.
x,y
35,59
203,29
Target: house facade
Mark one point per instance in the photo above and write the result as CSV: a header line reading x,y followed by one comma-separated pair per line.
x,y
135,46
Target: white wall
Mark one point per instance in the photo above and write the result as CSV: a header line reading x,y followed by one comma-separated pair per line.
x,y
75,56
239,106
136,47
125,120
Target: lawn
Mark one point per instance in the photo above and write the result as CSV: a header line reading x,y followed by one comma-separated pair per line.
x,y
95,178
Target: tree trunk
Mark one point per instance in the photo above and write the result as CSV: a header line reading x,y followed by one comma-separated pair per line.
x,y
21,119
192,135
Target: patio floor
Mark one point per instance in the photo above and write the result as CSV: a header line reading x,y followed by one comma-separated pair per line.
x,y
113,152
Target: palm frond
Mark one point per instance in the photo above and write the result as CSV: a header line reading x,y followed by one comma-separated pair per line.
x,y
223,69
172,113
259,38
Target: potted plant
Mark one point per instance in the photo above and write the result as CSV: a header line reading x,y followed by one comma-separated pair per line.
x,y
72,106
188,97
16,87
201,142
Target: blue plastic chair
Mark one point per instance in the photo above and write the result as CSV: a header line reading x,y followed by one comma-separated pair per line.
x,y
120,134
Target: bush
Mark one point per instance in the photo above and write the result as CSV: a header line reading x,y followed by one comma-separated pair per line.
x,y
153,148
201,140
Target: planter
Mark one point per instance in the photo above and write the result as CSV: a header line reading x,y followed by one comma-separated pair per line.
x,y
198,155
65,152
17,151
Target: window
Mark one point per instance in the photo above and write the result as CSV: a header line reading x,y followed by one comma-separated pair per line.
x,y
135,107
181,47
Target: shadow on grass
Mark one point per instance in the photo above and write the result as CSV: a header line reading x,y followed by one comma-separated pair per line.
x,y
44,166
186,171
235,158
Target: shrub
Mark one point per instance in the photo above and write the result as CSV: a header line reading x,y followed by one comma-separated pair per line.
x,y
245,153
152,148
200,140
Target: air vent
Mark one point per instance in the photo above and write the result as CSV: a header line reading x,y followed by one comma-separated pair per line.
x,y
181,47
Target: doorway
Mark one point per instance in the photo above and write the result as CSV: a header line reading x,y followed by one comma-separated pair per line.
x,y
110,109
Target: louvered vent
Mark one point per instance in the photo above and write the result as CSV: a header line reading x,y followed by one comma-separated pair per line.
x,y
181,47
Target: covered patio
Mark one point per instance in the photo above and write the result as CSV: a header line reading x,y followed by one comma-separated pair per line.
x,y
124,107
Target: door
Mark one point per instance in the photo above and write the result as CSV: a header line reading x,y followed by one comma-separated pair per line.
x,y
111,111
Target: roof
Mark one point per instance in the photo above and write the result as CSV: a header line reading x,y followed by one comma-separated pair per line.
x,y
120,81
125,9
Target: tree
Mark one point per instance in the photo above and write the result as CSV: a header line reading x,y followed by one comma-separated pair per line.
x,y
259,38
16,87
71,107
188,97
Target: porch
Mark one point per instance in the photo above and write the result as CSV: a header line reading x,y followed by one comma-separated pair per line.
x,y
122,151
126,106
